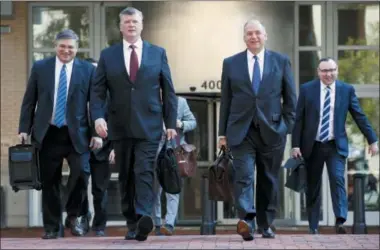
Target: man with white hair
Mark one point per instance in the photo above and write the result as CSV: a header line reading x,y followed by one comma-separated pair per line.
x,y
257,111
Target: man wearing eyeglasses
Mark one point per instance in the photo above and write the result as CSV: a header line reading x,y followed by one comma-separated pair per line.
x,y
319,136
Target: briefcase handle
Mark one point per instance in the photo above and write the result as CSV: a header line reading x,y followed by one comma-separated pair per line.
x,y
225,150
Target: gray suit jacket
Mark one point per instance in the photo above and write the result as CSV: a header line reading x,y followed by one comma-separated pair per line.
x,y
185,115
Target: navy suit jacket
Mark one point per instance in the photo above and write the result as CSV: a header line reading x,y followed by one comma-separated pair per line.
x,y
135,109
37,105
308,112
274,105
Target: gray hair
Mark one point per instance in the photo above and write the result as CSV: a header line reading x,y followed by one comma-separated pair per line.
x,y
131,11
67,34
255,21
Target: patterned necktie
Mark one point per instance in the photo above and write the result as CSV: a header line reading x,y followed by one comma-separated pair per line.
x,y
60,104
256,79
133,64
325,123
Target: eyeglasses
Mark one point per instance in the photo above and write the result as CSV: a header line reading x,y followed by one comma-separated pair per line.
x,y
327,70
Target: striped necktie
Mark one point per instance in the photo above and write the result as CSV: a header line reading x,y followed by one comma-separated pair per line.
x,y
60,104
325,122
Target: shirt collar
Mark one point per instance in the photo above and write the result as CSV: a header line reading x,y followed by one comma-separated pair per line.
x,y
138,44
323,86
260,55
60,64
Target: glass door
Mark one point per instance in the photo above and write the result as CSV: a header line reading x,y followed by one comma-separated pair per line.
x,y
310,46
356,47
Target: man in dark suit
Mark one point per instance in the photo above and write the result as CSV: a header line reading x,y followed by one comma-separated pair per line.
x,y
100,175
54,112
133,72
257,111
319,136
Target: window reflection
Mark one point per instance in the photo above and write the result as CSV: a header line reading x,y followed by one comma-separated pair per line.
x,y
113,202
358,24
308,65
112,25
358,148
310,25
48,21
359,66
191,197
199,136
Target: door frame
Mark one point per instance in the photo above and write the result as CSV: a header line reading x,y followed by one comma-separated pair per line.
x,y
362,91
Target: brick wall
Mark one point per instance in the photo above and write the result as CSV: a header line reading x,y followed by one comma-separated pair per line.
x,y
14,74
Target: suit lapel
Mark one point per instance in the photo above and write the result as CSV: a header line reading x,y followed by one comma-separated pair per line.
x,y
268,66
75,78
50,76
338,89
317,96
119,59
144,59
244,70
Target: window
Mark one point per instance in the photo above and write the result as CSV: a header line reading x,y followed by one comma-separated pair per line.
x,y
358,24
48,21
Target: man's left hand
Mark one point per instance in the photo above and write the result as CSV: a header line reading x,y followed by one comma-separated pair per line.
x,y
96,143
179,124
170,134
373,149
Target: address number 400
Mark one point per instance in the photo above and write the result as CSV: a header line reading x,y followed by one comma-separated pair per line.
x,y
212,84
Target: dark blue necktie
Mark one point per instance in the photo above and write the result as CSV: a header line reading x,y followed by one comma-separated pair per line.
x,y
60,104
325,122
256,79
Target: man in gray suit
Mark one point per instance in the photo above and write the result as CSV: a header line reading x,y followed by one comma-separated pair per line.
x,y
257,111
185,122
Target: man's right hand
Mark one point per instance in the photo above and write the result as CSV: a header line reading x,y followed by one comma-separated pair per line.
x,y
296,152
101,128
23,137
222,142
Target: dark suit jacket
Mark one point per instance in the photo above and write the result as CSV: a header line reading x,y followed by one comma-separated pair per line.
x,y
38,102
308,111
135,109
239,103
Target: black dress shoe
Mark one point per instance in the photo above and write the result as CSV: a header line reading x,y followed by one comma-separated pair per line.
x,y
144,227
50,235
313,231
339,229
268,233
244,229
131,235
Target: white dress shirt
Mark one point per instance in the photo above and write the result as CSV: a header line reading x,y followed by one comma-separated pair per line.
x,y
69,70
251,63
332,105
127,52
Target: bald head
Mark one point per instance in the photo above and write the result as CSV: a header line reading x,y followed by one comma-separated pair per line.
x,y
327,70
255,35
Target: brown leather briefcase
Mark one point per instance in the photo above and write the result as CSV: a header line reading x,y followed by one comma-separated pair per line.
x,y
221,175
186,156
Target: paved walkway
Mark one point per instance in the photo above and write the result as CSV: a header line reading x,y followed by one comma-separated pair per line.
x,y
200,242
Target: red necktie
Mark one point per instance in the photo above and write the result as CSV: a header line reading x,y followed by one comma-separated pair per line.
x,y
133,64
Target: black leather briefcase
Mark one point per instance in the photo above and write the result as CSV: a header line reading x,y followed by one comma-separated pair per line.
x,y
24,171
